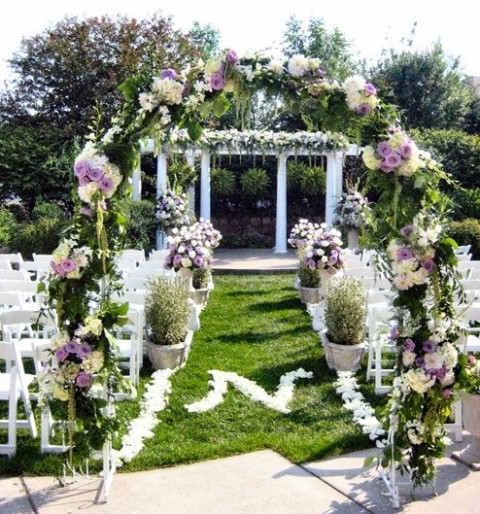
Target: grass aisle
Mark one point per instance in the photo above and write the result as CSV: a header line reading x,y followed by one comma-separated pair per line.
x,y
254,326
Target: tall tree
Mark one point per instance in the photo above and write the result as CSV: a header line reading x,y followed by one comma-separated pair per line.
x,y
332,47
66,72
427,86
206,38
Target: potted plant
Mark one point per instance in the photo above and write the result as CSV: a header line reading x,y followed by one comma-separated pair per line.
x,y
309,282
201,282
345,315
167,313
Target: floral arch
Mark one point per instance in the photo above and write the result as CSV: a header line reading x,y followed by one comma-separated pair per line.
x,y
405,227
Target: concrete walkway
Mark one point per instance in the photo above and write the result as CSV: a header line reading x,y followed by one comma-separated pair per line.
x,y
246,261
257,483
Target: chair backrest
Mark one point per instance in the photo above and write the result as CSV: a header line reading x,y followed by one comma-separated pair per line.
x,y
5,263
464,257
42,257
134,284
12,257
31,322
132,254
10,300
136,298
156,255
153,265
13,274
462,250
41,355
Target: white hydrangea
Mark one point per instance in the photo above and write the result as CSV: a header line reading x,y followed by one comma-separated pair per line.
x,y
297,65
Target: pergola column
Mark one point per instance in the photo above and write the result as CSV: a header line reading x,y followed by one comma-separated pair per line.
x,y
137,180
334,185
161,187
281,222
205,202
190,157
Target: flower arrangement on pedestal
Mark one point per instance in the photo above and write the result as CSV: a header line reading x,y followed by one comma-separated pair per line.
x,y
351,210
324,251
302,233
187,250
172,210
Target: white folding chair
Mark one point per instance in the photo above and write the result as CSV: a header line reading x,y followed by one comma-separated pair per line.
x,y
134,284
130,345
10,300
13,258
41,356
462,250
13,387
158,255
5,264
379,346
155,266
27,290
36,269
42,257
464,257
14,274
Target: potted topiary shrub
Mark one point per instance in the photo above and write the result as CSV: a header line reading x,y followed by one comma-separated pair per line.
x,y
201,281
309,284
345,315
167,313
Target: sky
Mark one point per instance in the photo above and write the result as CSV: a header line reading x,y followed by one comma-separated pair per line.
x,y
252,25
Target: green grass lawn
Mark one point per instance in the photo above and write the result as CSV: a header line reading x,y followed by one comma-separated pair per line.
x,y
254,325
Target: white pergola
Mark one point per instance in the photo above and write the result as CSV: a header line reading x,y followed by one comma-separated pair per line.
x,y
334,183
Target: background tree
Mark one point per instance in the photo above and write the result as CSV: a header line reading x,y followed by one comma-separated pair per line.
x,y
206,39
427,87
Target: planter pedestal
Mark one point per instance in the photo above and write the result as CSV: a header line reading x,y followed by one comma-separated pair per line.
x,y
352,238
471,422
341,357
310,294
169,356
325,278
200,296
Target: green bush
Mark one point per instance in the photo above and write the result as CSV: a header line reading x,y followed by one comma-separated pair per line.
x,y
467,232
458,152
181,175
223,181
47,210
141,224
465,203
313,181
201,277
167,310
308,277
40,236
255,182
7,227
346,311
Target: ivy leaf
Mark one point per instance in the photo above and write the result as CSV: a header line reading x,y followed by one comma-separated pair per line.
x,y
194,130
205,110
220,106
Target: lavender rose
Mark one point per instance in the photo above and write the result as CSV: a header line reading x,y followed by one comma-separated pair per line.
x,y
83,380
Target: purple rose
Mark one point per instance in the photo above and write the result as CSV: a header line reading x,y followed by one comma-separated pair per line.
x,y
333,257
404,254
406,230
61,354
86,211
198,261
447,393
370,89
105,184
364,109
177,261
420,362
80,169
384,149
385,167
405,150
428,265
83,380
83,181
393,160
310,263
94,174
231,57
71,347
168,74
68,265
84,350
217,82
408,345
394,333
429,346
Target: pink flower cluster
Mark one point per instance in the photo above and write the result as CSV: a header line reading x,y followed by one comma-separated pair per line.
x,y
217,78
324,251
187,249
303,232
75,353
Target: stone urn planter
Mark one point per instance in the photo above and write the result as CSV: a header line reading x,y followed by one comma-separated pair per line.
x,y
200,296
342,357
310,294
471,422
353,237
325,277
169,356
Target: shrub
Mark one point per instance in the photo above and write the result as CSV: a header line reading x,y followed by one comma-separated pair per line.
x,y
41,236
308,277
7,227
201,277
466,203
47,210
141,224
467,232
167,310
346,311
255,182
181,175
313,181
223,181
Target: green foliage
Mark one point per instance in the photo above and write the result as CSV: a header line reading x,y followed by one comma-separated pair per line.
x,y
346,311
308,277
331,47
181,176
7,227
465,203
467,232
39,236
313,181
47,210
458,152
140,224
223,181
206,39
201,277
427,87
167,310
255,182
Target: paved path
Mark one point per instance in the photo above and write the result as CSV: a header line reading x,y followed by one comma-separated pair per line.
x,y
256,483
243,261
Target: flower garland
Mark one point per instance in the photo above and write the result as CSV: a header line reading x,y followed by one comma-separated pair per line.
x,y
221,379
